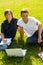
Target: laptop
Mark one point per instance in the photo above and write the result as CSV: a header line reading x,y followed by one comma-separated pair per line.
x,y
18,52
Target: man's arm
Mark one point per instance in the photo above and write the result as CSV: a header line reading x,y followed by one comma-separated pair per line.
x,y
3,39
2,36
2,33
39,32
21,31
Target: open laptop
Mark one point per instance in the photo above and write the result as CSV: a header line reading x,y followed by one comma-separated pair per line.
x,y
18,52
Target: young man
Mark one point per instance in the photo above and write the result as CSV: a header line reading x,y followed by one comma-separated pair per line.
x,y
33,29
8,29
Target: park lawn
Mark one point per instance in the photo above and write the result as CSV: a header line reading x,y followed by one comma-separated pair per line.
x,y
35,8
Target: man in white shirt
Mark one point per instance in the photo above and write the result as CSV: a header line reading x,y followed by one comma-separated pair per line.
x,y
32,27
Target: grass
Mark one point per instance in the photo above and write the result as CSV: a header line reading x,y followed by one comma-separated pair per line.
x,y
35,8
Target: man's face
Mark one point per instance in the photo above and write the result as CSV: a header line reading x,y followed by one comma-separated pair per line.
x,y
8,16
25,17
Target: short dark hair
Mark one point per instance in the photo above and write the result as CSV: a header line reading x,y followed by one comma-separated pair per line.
x,y
7,11
24,11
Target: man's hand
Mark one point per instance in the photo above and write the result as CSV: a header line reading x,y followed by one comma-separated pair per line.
x,y
40,28
4,40
0,34
40,40
21,31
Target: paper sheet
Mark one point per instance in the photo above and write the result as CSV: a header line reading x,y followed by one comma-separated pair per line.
x,y
8,41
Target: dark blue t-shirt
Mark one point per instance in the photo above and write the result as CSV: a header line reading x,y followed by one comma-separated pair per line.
x,y
9,29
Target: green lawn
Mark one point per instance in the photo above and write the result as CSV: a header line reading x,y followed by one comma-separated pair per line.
x,y
35,8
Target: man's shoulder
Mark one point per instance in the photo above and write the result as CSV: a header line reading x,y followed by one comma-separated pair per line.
x,y
20,20
15,19
30,17
4,22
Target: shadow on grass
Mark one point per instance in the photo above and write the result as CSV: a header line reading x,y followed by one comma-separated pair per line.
x,y
32,51
6,60
16,60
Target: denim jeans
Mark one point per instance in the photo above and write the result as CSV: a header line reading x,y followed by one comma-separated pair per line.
x,y
34,39
4,45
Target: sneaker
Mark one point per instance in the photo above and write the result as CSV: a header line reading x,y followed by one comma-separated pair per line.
x,y
40,55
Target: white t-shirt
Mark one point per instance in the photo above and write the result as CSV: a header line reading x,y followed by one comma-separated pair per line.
x,y
30,28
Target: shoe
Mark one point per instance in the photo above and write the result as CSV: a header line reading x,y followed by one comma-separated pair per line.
x,y
40,55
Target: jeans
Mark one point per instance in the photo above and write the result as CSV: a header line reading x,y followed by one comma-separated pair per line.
x,y
34,39
5,45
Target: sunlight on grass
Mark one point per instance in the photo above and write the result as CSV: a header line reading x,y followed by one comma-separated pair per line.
x,y
35,8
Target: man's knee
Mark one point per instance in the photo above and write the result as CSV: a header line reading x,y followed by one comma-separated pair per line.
x,y
32,41
3,47
28,40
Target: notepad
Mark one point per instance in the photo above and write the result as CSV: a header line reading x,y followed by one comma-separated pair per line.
x,y
7,42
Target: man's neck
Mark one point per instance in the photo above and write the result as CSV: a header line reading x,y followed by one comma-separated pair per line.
x,y
26,21
9,20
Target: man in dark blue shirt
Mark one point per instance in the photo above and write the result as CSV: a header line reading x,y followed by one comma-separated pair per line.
x,y
8,29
